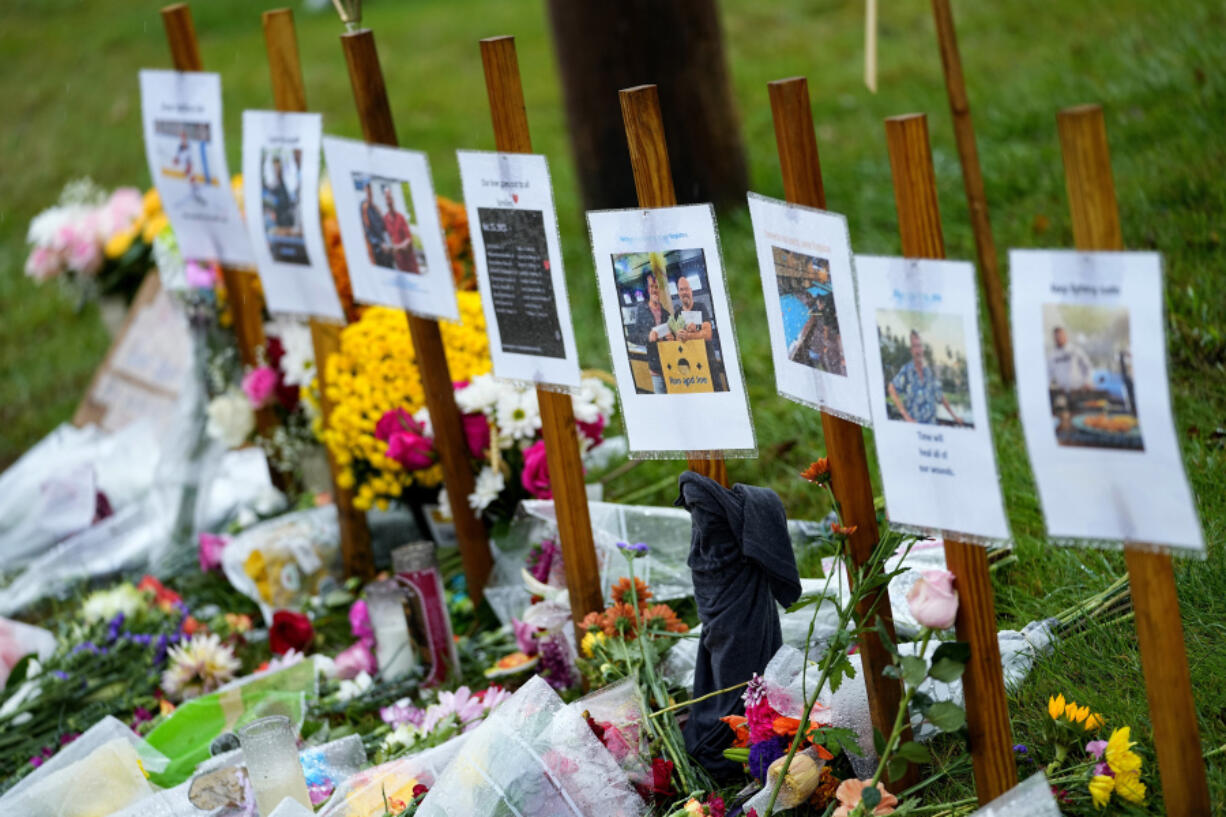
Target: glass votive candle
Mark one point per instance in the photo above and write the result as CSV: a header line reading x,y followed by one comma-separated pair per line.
x,y
393,649
270,752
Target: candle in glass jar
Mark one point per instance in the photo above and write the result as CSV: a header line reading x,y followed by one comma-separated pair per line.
x,y
394,650
270,752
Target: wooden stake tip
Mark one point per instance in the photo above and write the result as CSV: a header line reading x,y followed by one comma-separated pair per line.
x,y
787,82
904,118
1084,109
638,89
499,39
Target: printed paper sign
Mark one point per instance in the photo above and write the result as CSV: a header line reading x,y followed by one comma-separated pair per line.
x,y
185,146
678,373
514,230
920,326
1090,349
804,257
281,192
390,227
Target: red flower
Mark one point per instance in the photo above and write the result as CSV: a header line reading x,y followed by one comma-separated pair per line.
x,y
477,433
818,471
661,790
535,476
163,596
419,791
289,631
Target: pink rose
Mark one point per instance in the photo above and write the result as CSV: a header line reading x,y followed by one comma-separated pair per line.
x,y
125,204
199,276
354,660
477,432
259,384
413,451
44,263
594,430
933,599
535,477
359,623
84,253
211,547
395,420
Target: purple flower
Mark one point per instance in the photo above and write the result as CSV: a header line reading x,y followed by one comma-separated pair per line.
x,y
554,664
765,752
525,636
112,628
755,691
1020,748
544,554
59,673
159,654
1095,748
402,713
634,551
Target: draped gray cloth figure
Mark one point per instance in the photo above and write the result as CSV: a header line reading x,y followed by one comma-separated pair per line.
x,y
742,561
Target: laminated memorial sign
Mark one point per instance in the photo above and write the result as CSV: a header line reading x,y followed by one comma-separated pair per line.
x,y
390,227
804,256
185,146
670,329
1092,389
518,257
281,194
920,325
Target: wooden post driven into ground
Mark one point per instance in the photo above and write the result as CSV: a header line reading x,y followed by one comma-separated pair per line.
x,y
1164,658
849,474
987,710
370,96
242,285
972,180
653,181
289,94
511,135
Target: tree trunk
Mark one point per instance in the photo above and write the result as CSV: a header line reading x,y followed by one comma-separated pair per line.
x,y
676,44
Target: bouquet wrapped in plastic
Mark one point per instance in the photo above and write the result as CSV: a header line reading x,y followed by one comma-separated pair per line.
x,y
363,794
534,755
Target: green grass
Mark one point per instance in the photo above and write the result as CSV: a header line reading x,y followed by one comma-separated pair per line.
x,y
73,109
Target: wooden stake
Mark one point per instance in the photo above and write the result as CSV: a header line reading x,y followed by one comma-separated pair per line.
x,y
972,179
1164,658
289,94
987,710
511,135
849,474
370,96
653,181
242,285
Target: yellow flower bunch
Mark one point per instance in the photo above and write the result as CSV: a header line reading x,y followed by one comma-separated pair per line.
x,y
375,372
145,226
1125,777
1070,712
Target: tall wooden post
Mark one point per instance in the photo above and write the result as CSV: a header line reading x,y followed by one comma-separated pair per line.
x,y
849,474
289,94
242,285
1164,658
987,710
972,180
511,135
370,95
653,181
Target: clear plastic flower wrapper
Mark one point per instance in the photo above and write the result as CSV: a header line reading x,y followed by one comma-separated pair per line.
x,y
798,786
1030,798
534,755
618,710
361,795
100,772
280,563
18,640
664,568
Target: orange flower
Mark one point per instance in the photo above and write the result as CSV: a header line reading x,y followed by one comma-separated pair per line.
x,y
843,530
592,621
827,783
818,471
667,619
740,725
619,620
621,591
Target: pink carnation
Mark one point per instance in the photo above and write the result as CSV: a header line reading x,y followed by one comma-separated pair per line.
x,y
211,547
259,384
413,451
354,660
199,276
535,477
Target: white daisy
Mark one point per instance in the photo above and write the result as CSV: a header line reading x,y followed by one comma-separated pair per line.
x,y
518,416
481,394
489,485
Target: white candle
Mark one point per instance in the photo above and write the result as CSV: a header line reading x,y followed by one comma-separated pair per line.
x,y
385,604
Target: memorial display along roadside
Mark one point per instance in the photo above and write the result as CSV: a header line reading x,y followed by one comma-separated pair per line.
x,y
785,451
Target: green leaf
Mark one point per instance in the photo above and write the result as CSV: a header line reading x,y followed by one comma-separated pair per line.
x,y
946,716
949,660
878,741
892,671
914,669
840,669
18,673
810,599
914,752
871,798
947,670
896,768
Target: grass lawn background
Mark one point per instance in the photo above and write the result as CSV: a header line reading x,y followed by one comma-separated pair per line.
x,y
73,109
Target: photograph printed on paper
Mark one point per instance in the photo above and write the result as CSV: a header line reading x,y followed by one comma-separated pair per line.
x,y
521,282
185,155
810,321
668,321
1089,375
923,357
281,195
385,210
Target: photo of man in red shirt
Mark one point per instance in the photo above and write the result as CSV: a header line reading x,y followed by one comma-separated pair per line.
x,y
398,236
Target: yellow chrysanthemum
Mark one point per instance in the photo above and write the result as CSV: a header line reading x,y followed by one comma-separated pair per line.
x,y
1055,706
1093,722
1129,786
589,642
1101,786
1119,754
